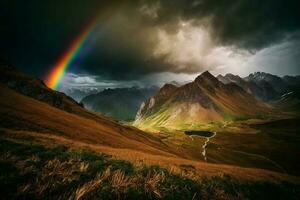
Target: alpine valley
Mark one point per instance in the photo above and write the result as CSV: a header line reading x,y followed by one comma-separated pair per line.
x,y
203,128
149,99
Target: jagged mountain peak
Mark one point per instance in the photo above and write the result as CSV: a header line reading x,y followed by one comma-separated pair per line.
x,y
275,81
205,74
208,81
262,76
167,88
228,78
207,77
174,83
232,76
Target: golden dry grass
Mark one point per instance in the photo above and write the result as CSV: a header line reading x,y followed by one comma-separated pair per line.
x,y
60,173
91,185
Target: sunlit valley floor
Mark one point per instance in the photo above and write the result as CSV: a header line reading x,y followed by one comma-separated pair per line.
x,y
265,144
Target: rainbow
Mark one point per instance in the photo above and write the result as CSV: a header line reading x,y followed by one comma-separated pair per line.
x,y
56,76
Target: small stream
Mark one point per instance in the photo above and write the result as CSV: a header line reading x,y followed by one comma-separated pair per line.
x,y
207,134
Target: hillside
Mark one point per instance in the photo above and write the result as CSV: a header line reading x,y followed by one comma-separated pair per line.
x,y
23,113
23,117
30,170
289,101
203,100
119,103
50,153
35,88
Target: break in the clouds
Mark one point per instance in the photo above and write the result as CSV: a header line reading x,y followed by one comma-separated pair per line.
x,y
93,81
191,49
136,40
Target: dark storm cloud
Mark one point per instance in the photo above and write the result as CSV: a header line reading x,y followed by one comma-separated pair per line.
x,y
246,23
123,48
34,34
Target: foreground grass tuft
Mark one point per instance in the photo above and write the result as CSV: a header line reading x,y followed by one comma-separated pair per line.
x,y
31,171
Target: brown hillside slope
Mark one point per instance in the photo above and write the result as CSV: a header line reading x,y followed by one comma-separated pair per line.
x,y
21,116
24,113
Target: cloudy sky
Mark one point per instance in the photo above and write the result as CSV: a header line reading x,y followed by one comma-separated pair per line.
x,y
150,42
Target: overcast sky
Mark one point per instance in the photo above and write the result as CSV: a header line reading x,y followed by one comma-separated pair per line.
x,y
150,42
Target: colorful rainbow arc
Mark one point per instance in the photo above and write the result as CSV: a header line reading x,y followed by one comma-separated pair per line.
x,y
55,78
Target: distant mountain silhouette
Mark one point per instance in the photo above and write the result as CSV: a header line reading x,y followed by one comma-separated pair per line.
x,y
280,92
120,103
79,93
260,89
278,84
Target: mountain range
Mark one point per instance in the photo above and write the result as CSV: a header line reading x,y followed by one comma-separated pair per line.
x,y
203,100
261,89
279,92
79,93
119,103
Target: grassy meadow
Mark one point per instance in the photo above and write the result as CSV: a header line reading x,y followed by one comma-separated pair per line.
x,y
29,170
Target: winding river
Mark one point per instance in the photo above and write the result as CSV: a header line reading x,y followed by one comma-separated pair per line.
x,y
207,134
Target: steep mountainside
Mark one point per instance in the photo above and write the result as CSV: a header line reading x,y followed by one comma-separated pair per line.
x,y
276,82
203,100
120,103
289,101
292,80
280,92
261,89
